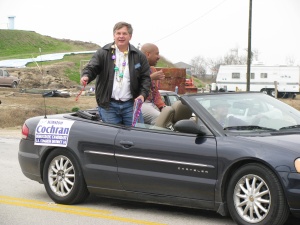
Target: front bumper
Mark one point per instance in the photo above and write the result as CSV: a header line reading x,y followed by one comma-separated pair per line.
x,y
292,189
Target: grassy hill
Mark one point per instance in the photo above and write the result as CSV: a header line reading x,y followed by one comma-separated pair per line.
x,y
24,44
18,44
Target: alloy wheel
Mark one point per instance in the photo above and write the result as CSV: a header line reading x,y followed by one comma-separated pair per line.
x,y
252,198
61,176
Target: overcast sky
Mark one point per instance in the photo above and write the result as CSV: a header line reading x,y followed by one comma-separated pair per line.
x,y
182,29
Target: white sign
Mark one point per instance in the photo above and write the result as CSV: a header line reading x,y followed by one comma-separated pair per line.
x,y
53,132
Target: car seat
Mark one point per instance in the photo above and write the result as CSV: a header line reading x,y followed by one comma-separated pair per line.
x,y
171,114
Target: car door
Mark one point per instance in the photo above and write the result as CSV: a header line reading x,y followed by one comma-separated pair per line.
x,y
7,80
95,143
169,98
167,163
173,98
1,77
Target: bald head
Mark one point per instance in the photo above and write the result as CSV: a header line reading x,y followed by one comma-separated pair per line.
x,y
148,47
151,52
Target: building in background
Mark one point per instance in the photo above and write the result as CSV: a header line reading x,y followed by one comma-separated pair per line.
x,y
11,22
189,69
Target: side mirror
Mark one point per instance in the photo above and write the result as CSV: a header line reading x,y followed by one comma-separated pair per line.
x,y
190,126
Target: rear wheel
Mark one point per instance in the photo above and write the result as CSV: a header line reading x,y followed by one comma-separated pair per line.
x,y
255,196
272,92
63,178
14,85
280,94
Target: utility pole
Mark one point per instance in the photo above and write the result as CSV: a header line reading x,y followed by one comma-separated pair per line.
x,y
249,47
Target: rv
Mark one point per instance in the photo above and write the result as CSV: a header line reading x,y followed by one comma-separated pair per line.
x,y
267,79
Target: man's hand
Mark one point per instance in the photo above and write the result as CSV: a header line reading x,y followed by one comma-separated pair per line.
x,y
159,75
84,80
140,97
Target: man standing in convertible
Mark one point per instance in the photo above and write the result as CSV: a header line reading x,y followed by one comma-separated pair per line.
x,y
122,75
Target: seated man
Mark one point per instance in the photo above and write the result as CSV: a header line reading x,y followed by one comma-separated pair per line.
x,y
220,112
154,104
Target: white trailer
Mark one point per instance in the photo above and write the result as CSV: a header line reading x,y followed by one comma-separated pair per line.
x,y
262,78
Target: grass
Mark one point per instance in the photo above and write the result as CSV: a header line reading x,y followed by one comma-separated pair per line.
x,y
197,82
17,107
26,44
72,73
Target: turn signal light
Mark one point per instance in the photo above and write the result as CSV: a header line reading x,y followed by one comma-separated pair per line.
x,y
297,165
25,131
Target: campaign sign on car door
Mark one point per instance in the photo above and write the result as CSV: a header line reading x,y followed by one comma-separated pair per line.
x,y
53,132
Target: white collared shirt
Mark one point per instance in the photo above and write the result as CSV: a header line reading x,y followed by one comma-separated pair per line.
x,y
121,90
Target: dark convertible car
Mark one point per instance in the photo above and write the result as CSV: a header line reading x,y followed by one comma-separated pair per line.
x,y
234,153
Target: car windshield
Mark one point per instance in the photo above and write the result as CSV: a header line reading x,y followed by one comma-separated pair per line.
x,y
250,111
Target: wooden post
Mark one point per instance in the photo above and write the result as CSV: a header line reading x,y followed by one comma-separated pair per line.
x,y
275,84
249,56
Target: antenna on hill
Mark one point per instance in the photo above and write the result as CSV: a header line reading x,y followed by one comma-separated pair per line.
x,y
44,95
42,72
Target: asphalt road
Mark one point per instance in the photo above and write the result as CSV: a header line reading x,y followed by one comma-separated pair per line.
x,y
24,202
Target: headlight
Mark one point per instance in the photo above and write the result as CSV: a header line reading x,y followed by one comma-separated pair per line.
x,y
297,165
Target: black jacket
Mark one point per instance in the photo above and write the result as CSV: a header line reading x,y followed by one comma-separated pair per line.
x,y
101,67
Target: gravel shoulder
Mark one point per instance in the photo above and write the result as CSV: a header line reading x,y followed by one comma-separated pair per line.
x,y
10,132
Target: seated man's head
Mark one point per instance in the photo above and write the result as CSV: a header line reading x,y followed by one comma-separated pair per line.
x,y
151,52
220,108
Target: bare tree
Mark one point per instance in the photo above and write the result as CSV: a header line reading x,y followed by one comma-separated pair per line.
x,y
229,59
214,65
233,58
199,64
255,54
290,60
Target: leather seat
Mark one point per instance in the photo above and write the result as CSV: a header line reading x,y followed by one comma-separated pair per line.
x,y
181,112
165,117
171,114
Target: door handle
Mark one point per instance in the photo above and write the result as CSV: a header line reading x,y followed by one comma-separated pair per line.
x,y
126,144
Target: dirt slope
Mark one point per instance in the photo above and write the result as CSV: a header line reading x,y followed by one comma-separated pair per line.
x,y
52,76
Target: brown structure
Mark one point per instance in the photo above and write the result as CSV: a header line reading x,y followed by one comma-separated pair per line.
x,y
189,86
173,77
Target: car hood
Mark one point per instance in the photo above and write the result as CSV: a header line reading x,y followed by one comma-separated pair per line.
x,y
290,142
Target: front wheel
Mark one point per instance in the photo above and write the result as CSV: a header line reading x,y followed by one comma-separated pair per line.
x,y
265,91
255,196
63,178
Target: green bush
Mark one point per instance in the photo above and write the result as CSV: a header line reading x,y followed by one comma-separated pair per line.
x,y
75,109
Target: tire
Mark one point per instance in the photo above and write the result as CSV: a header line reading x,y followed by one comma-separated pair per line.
x,y
272,92
14,85
290,95
63,178
281,94
266,202
265,91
